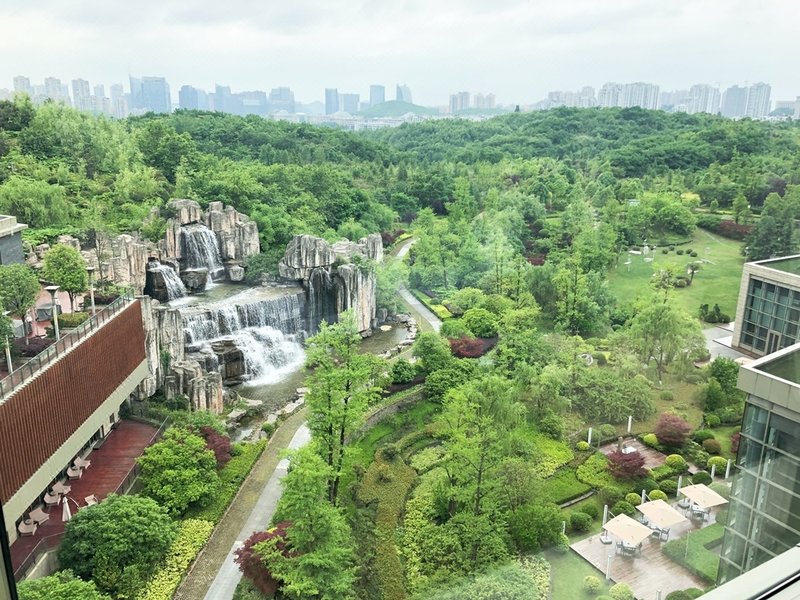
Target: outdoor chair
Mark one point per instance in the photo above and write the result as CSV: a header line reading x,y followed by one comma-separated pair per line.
x,y
664,535
74,473
61,488
38,516
82,463
91,500
27,527
52,498
620,548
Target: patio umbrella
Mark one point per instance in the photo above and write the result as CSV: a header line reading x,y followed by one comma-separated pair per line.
x,y
702,495
627,529
660,513
66,514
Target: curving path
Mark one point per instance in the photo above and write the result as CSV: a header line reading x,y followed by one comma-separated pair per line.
x,y
434,321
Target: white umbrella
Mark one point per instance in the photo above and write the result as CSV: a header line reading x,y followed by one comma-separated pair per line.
x,y
661,513
702,495
627,529
66,514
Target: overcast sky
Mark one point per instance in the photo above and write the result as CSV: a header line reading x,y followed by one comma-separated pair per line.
x,y
518,49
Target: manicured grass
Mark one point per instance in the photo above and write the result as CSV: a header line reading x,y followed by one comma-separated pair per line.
x,y
684,402
562,486
723,436
699,559
715,282
568,571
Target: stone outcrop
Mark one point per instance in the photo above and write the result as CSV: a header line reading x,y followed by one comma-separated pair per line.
x,y
337,277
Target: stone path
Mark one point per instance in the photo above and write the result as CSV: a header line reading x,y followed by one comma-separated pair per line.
x,y
214,574
409,298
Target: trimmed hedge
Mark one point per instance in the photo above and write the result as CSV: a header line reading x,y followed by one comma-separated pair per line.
x,y
192,536
700,560
562,487
580,521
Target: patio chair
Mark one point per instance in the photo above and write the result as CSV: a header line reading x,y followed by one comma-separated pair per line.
x,y
91,500
61,488
38,516
52,498
664,535
74,473
82,463
620,548
27,527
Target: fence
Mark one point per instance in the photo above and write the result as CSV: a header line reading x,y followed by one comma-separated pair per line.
x,y
34,366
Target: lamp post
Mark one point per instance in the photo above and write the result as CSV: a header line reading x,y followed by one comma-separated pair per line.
x,y
608,567
90,271
8,347
53,289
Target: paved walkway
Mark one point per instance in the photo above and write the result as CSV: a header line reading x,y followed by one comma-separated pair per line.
x,y
409,298
718,342
214,574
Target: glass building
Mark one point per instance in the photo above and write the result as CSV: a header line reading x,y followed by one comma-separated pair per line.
x,y
768,313
764,513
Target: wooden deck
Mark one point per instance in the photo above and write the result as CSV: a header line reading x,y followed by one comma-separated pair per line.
x,y
647,573
111,465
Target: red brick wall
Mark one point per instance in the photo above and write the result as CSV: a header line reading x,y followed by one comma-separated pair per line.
x,y
38,418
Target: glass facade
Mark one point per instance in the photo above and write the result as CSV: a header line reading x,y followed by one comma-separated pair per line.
x,y
764,513
771,317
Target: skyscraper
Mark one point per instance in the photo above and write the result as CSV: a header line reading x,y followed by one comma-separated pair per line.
x,y
119,105
53,89
82,97
459,102
703,98
155,95
135,101
331,101
23,85
281,98
187,98
403,93
758,100
377,94
734,102
350,103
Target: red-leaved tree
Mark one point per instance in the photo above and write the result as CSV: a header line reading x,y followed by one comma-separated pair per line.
x,y
673,431
219,444
252,566
626,466
735,442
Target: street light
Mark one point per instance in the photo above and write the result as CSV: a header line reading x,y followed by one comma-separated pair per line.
x,y
90,271
608,567
53,289
8,347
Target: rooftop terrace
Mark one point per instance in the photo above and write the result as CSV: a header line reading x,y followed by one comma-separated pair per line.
x,y
788,264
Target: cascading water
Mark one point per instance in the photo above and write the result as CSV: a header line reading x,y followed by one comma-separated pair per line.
x,y
269,333
200,250
172,283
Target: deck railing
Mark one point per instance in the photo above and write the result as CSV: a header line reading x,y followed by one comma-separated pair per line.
x,y
28,370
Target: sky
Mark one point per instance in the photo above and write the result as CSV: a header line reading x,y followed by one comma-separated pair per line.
x,y
517,49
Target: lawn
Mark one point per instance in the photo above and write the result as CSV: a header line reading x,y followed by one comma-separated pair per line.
x,y
562,487
684,402
568,571
723,435
716,282
699,559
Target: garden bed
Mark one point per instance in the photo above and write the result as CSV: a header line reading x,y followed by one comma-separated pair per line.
x,y
700,559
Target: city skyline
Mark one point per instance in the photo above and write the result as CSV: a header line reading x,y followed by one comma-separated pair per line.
x,y
518,50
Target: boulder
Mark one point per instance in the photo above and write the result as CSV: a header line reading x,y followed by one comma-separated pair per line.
x,y
195,279
231,360
236,273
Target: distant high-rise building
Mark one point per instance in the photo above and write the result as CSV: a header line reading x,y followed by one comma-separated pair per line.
x,y
54,90
100,103
187,98
459,102
155,95
703,98
81,96
403,93
225,101
758,100
135,101
22,85
331,101
119,105
734,102
644,95
484,101
349,103
252,103
377,94
281,98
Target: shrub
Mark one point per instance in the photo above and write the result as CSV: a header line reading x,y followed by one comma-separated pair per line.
x,y
220,445
679,251
650,439
712,446
600,358
661,472
701,477
672,430
59,585
192,536
624,508
712,421
719,462
268,429
590,509
402,371
534,526
621,591
648,484
610,495
676,462
701,435
722,516
454,328
252,565
689,250
735,442
678,595
552,426
583,446
667,396
439,382
592,584
606,431
657,495
69,320
669,487
693,254
626,466
390,452
722,489
633,498
580,521
469,347
665,251
562,545
480,322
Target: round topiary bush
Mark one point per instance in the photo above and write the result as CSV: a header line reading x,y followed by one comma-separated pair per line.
x,y
583,446
657,495
624,508
621,591
590,509
667,396
648,484
580,521
606,430
679,251
712,446
701,477
633,498
650,439
678,595
669,487
592,584
610,495
712,420
676,462
665,251
693,254
718,462
701,435
722,489
403,371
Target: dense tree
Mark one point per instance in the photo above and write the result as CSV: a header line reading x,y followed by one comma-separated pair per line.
x,y
626,466
64,266
36,203
672,430
117,543
19,288
432,351
178,471
62,585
